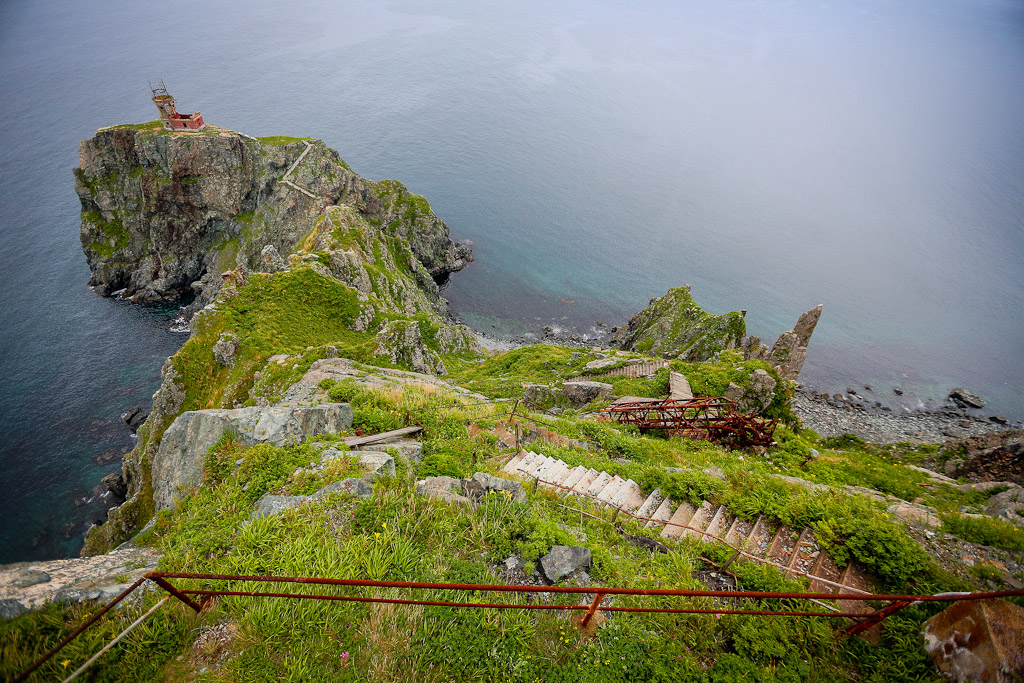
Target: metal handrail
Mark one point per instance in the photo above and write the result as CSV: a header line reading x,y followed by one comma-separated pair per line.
x,y
896,602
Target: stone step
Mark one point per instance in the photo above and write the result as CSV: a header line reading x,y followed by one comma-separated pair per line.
x,y
575,475
719,524
530,465
584,483
679,519
513,465
541,471
700,520
738,532
611,489
650,505
804,554
782,546
528,462
824,568
557,473
760,537
630,497
662,514
600,481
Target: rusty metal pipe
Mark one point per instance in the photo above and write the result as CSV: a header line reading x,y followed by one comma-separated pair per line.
x,y
511,588
74,634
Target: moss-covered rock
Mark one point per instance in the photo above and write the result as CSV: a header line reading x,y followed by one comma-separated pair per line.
x,y
674,326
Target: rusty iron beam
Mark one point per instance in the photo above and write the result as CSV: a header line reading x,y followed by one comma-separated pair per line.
x,y
514,588
711,419
74,634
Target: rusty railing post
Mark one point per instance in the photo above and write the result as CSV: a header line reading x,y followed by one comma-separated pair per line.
x,y
876,618
165,584
593,610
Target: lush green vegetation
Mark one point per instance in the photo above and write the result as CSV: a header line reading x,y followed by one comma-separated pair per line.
x,y
396,534
985,531
279,140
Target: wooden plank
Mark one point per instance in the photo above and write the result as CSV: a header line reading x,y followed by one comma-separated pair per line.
x,y
383,436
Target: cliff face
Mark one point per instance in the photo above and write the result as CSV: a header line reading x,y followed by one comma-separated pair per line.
x,y
675,326
163,214
293,257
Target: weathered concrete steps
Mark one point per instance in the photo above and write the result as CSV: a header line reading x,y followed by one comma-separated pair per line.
x,y
796,553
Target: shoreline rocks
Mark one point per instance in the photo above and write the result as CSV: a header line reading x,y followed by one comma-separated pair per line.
x,y
877,425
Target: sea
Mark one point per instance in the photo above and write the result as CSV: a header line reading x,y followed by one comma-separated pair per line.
x,y
867,155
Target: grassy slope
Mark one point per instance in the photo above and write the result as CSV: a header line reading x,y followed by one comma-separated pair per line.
x,y
398,535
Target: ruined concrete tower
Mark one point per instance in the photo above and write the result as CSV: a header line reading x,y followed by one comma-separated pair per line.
x,y
169,115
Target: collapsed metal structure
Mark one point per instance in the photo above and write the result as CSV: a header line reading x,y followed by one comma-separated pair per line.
x,y
708,419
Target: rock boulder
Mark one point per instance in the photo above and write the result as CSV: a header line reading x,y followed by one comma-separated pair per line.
x,y
563,561
179,460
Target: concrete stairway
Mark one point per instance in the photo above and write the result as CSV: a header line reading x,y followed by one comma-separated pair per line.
x,y
796,553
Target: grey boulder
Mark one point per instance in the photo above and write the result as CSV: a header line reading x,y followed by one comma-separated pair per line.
x,y
179,460
563,561
481,483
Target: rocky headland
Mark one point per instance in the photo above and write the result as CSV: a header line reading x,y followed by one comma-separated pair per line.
x,y
283,246
325,396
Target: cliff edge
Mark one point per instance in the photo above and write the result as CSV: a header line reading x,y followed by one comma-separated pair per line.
x,y
164,214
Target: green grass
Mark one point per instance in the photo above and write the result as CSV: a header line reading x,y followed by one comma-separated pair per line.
x,y
985,531
396,535
279,140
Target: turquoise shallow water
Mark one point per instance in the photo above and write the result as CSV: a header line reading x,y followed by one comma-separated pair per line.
x,y
866,155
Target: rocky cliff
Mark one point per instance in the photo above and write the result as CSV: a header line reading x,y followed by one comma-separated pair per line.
x,y
674,326
292,256
164,214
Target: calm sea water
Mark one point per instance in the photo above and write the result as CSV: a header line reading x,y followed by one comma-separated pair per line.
x,y
865,154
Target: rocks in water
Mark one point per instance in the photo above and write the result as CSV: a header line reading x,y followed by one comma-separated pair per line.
x,y
790,350
897,390
179,459
134,418
999,419
998,456
114,482
160,212
563,561
225,349
977,640
966,399
675,326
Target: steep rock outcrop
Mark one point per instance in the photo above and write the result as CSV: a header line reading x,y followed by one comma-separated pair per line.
x,y
179,460
998,456
164,214
675,326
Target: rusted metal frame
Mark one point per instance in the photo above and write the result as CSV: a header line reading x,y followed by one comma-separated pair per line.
x,y
166,585
607,590
875,618
699,531
74,634
592,610
390,601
